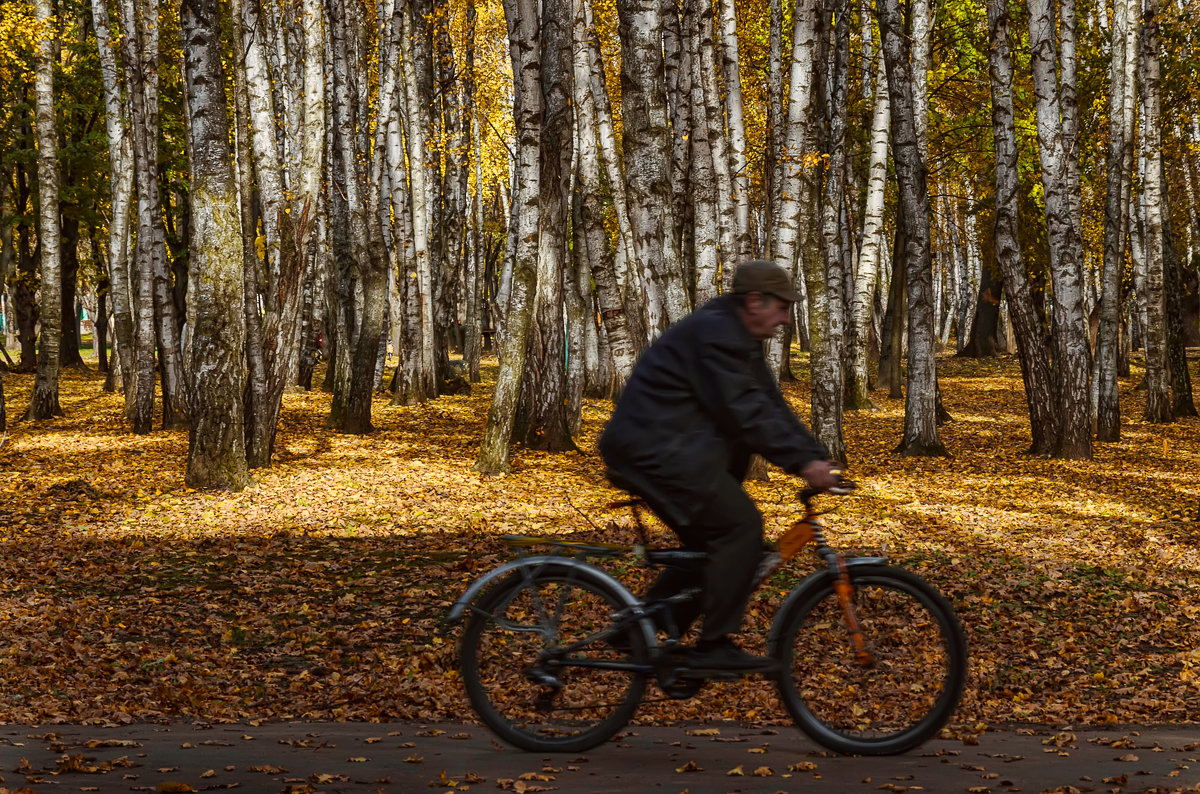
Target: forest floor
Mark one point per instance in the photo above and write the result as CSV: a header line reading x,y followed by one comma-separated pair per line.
x,y
316,593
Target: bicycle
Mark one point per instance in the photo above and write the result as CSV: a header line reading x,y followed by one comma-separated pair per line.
x,y
556,652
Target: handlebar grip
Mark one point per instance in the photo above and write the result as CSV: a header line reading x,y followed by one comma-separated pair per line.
x,y
843,487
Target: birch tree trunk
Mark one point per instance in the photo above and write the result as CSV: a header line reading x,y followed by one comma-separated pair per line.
x,y
824,276
44,401
410,210
1190,180
772,174
582,364
1027,325
256,376
706,231
624,344
1158,382
417,78
1182,403
139,26
735,122
120,160
216,443
545,364
1071,354
796,218
714,111
473,338
922,41
894,323
629,280
357,158
1070,114
678,73
1137,250
523,32
449,168
858,386
287,193
920,406
972,274
1108,407
25,305
647,145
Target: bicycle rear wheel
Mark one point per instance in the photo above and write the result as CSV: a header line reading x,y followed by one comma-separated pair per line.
x,y
535,672
908,691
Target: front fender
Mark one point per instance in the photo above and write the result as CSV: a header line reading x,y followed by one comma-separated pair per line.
x,y
814,581
585,571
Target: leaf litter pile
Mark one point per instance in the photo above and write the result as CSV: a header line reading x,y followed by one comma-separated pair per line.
x,y
318,592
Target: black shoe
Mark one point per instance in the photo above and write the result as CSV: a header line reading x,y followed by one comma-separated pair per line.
x,y
724,655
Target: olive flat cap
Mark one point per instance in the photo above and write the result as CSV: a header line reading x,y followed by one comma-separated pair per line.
x,y
763,275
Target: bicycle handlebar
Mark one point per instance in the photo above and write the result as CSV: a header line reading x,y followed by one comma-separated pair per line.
x,y
843,487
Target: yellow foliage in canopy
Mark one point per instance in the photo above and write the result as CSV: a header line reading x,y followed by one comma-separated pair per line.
x,y
19,32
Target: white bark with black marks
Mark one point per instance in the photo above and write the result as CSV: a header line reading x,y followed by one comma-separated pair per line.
x,y
796,220
120,160
1071,353
647,148
44,401
155,316
624,345
523,33
714,111
1158,383
414,57
735,121
858,389
825,275
706,226
548,426
1108,407
629,280
217,339
920,406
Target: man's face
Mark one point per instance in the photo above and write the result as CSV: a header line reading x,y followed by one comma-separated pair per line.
x,y
763,315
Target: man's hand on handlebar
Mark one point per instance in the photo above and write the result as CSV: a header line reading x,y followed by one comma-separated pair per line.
x,y
822,475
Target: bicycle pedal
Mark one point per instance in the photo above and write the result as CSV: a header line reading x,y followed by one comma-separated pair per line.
x,y
543,679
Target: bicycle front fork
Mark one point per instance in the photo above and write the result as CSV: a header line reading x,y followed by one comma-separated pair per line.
x,y
844,588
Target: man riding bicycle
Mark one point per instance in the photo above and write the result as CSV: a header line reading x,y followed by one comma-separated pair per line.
x,y
699,403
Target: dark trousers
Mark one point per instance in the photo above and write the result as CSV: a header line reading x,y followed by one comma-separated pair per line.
x,y
729,529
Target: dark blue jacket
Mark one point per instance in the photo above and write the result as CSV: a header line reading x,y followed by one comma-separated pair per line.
x,y
698,403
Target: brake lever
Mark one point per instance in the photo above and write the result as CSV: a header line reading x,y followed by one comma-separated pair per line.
x,y
843,487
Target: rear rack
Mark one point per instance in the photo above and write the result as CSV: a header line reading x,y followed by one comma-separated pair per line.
x,y
667,557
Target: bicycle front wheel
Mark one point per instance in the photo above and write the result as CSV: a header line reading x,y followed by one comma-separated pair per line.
x,y
895,700
535,669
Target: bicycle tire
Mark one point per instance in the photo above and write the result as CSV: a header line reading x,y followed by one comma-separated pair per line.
x,y
918,674
522,621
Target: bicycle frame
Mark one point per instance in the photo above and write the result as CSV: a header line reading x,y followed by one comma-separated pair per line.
x,y
579,619
805,530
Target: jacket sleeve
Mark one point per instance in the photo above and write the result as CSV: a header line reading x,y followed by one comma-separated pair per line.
x,y
748,409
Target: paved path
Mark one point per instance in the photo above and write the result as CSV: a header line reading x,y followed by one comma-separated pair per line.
x,y
410,757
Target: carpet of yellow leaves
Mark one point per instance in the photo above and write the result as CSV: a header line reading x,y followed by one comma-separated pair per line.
x,y
317,592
